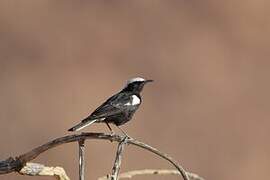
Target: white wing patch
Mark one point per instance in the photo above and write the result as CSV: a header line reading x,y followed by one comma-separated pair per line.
x,y
135,101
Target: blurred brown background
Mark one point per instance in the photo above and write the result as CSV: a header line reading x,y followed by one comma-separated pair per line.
x,y
208,107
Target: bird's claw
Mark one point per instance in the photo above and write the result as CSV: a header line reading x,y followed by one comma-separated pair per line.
x,y
125,139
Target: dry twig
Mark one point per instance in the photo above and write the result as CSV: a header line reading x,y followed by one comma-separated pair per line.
x,y
118,159
81,159
16,164
130,174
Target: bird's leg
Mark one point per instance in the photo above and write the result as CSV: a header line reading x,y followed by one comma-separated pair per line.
x,y
126,135
112,133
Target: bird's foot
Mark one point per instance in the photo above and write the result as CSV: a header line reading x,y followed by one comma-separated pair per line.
x,y
126,137
124,133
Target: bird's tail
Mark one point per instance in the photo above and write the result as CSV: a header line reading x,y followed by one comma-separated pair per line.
x,y
82,124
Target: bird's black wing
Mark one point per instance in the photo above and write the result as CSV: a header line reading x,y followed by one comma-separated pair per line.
x,y
113,106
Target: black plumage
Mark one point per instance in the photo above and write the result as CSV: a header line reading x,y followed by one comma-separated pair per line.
x,y
119,108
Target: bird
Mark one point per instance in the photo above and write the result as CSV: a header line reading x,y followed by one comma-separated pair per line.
x,y
119,108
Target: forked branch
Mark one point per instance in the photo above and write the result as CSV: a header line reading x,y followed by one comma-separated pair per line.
x,y
17,163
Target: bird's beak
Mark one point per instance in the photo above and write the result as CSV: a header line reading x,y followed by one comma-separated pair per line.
x,y
148,80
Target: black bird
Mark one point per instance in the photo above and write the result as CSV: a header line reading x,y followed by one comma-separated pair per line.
x,y
119,108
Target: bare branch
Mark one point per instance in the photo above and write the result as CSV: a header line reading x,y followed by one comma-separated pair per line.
x,y
81,159
130,174
11,164
118,159
193,176
163,155
35,169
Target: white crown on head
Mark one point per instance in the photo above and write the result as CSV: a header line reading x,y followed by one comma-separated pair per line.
x,y
136,79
